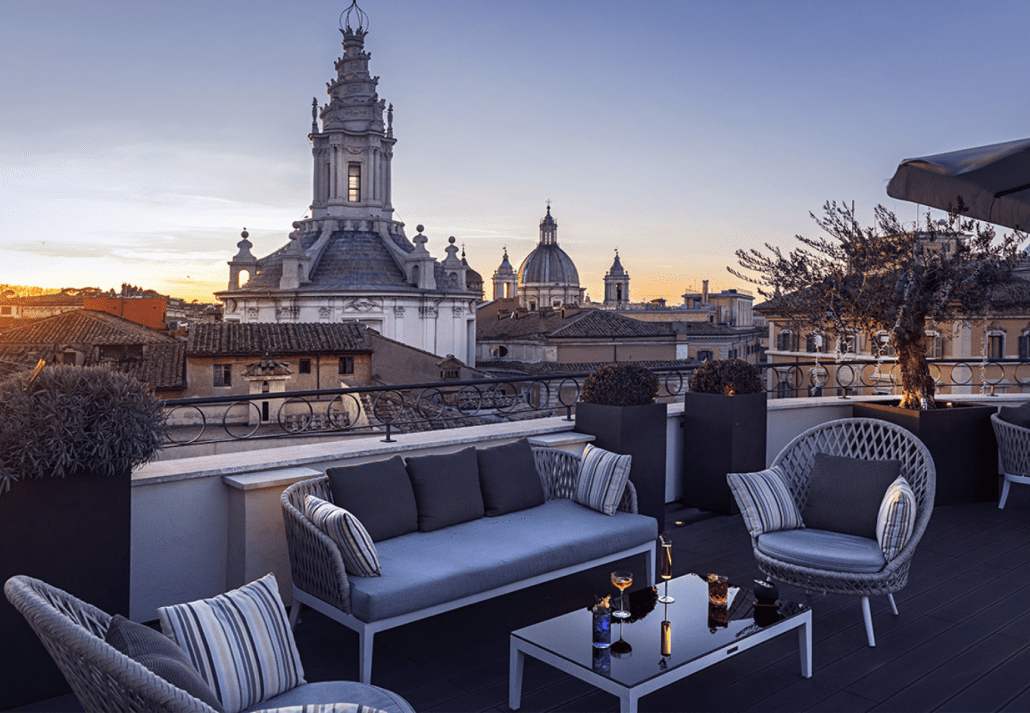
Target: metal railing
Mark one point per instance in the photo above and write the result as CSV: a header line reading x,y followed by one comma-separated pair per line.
x,y
405,408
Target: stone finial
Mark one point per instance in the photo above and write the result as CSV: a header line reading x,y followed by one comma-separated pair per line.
x,y
420,241
244,255
452,252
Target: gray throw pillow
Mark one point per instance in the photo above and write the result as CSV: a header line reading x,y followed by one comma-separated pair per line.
x,y
844,494
379,494
508,478
161,656
1016,415
446,488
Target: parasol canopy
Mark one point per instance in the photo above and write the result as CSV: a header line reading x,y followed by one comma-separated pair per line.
x,y
993,182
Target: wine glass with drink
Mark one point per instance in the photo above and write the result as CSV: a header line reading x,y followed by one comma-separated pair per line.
x,y
622,580
666,569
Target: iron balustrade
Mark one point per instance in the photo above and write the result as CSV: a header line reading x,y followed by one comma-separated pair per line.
x,y
387,410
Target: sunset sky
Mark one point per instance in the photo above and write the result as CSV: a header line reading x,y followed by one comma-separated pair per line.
x,y
138,138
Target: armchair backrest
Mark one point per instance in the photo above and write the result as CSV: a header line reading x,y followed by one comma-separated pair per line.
x,y
1013,446
867,438
102,678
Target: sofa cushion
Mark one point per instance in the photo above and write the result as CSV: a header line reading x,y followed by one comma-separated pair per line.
x,y
1016,415
355,544
327,693
764,501
161,655
422,569
508,478
844,494
602,479
379,494
897,519
822,549
240,642
446,488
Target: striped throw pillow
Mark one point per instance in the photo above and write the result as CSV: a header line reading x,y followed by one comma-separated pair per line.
x,y
602,478
896,519
359,552
765,502
240,642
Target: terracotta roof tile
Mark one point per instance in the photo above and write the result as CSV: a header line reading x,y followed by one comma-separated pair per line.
x,y
259,338
83,327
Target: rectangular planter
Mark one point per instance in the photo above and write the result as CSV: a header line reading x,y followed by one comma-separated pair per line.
x,y
961,441
638,431
721,434
73,533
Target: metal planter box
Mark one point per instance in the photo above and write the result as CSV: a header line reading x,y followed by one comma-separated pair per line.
x,y
961,441
721,434
638,431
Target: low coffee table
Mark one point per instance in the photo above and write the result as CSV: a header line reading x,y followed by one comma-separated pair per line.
x,y
700,637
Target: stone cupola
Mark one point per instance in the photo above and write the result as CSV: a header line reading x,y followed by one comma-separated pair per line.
x,y
506,282
243,262
353,150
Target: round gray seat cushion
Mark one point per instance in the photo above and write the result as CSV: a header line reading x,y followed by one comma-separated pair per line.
x,y
822,549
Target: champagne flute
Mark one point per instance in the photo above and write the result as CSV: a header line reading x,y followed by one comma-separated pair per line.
x,y
666,570
621,579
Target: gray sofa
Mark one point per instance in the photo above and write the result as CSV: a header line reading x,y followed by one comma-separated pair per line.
x,y
426,573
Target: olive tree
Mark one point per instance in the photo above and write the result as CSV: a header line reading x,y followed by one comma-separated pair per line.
x,y
886,278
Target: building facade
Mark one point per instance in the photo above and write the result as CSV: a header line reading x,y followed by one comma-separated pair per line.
x,y
350,261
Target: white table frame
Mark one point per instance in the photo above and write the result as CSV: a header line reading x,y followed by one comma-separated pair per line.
x,y
629,696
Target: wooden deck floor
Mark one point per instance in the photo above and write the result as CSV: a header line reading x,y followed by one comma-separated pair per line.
x,y
961,642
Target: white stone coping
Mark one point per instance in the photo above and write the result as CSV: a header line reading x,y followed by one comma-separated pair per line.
x,y
557,440
270,478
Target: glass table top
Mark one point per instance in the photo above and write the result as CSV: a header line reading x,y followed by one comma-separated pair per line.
x,y
695,628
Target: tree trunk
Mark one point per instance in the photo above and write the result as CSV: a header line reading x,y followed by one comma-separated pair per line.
x,y
917,386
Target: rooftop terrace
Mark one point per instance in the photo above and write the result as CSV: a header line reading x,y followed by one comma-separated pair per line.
x,y
961,642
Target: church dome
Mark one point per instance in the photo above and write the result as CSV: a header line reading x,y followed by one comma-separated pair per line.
x,y
548,264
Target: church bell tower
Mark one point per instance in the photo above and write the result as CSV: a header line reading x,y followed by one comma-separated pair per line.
x,y
352,152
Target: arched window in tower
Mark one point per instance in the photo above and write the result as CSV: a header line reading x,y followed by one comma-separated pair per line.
x,y
354,182
618,292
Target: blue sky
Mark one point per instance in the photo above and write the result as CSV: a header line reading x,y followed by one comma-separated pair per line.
x,y
137,139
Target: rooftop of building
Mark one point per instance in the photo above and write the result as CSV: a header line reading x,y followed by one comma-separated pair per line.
x,y
502,319
259,338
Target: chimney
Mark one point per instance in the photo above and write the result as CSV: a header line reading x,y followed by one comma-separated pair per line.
x,y
704,292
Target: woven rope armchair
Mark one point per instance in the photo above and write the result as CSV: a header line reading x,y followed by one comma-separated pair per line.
x,y
1014,452
102,678
870,439
320,580
107,681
